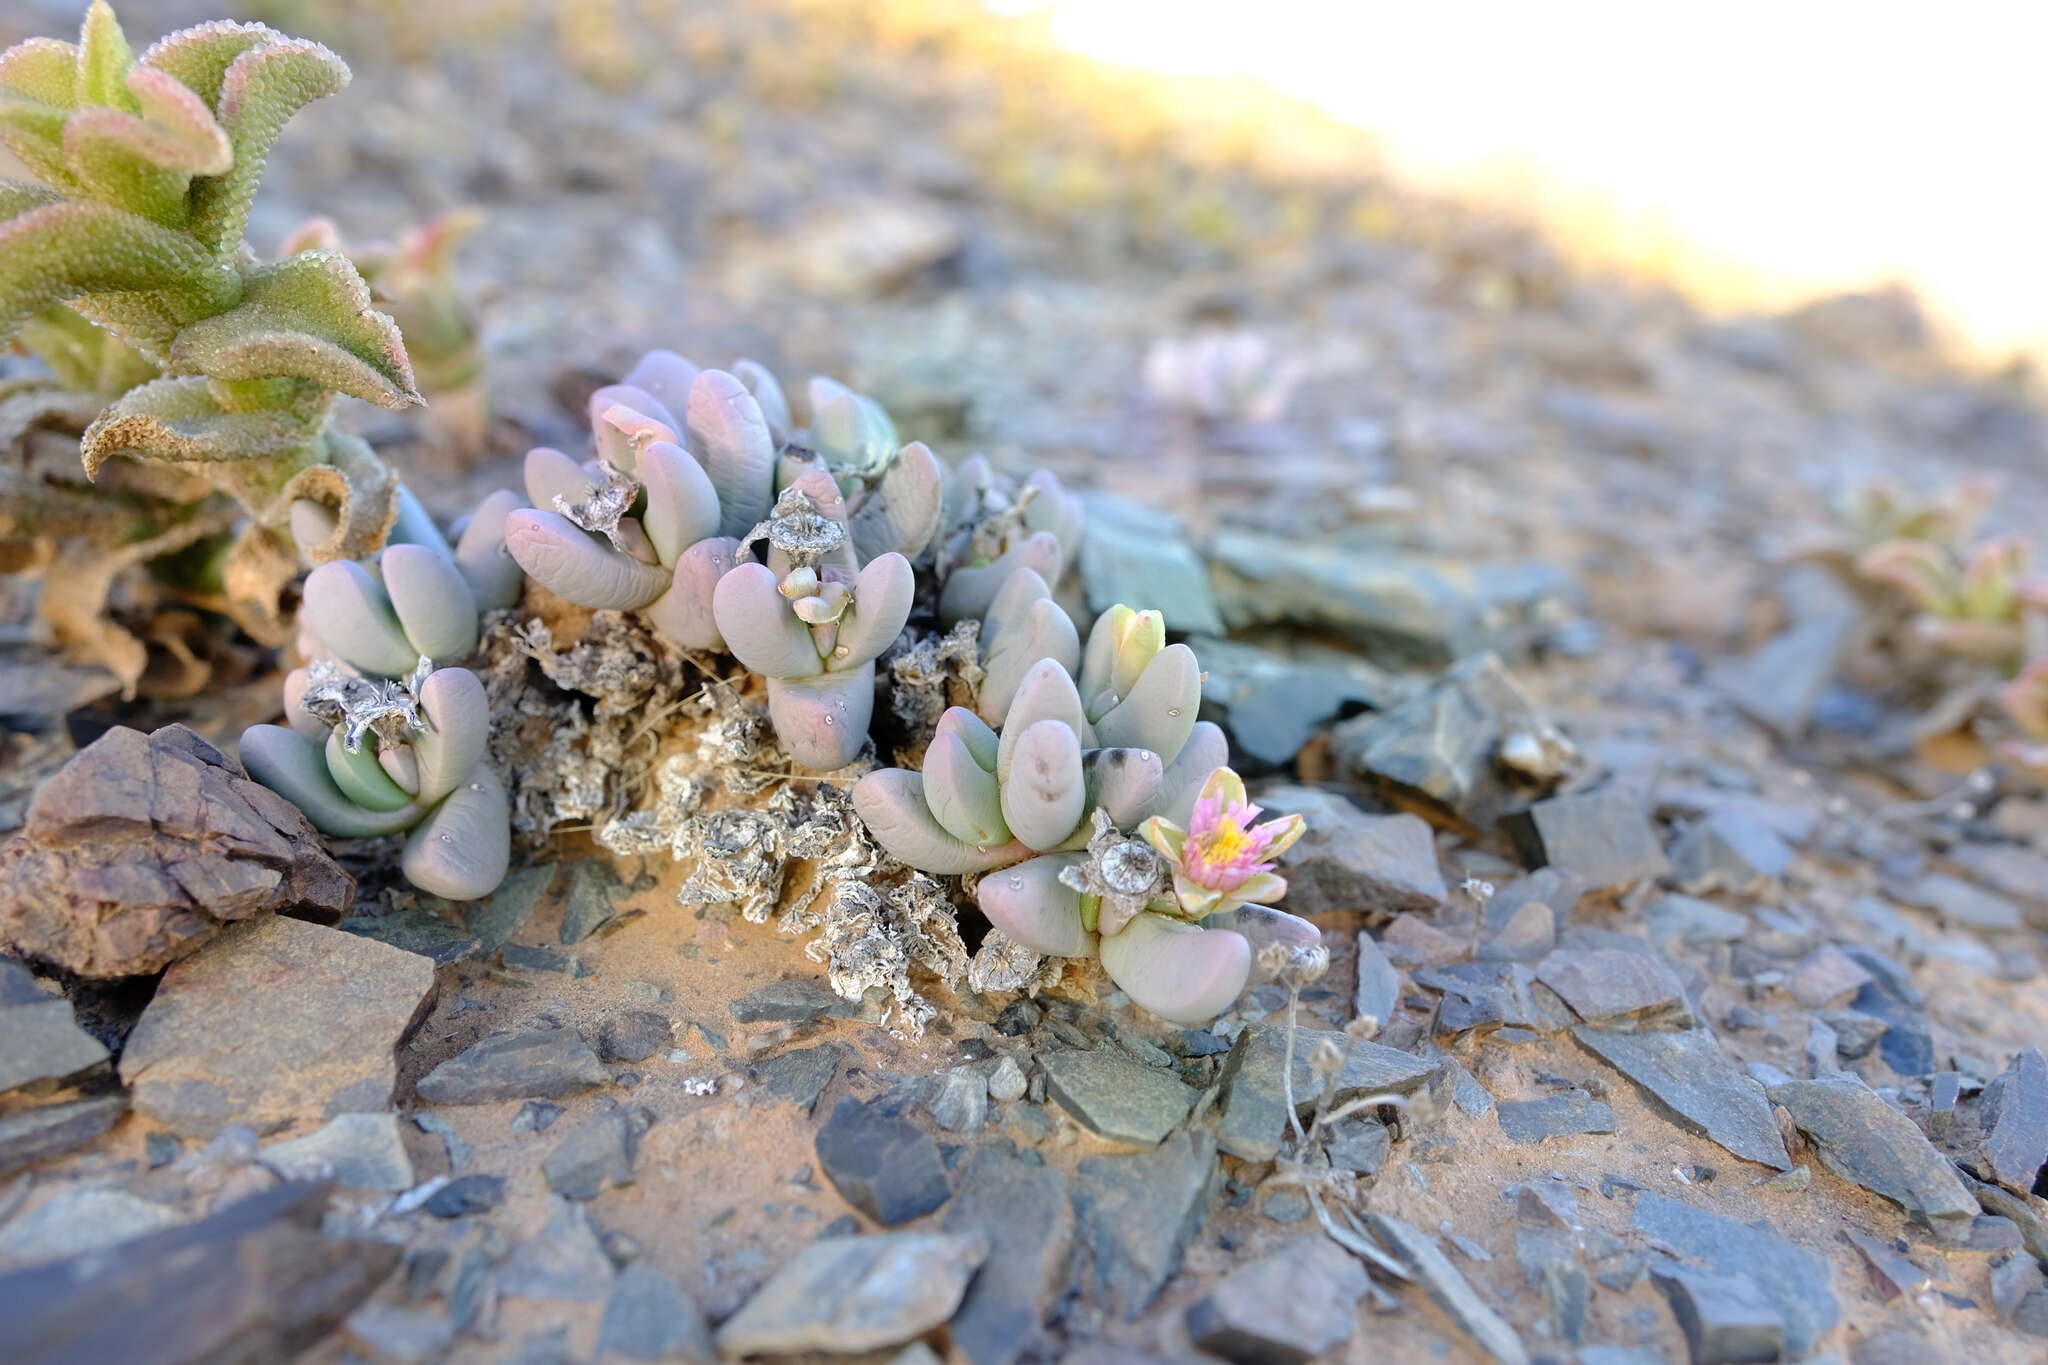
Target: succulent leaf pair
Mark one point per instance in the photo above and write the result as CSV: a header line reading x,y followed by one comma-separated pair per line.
x,y
992,526
364,758
1976,605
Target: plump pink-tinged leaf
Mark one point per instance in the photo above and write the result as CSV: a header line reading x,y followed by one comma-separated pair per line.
x,y
623,426
295,767
260,91
309,317
682,505
902,512
461,850
891,803
822,722
728,433
667,376
761,382
1044,791
63,250
882,595
685,612
201,55
759,627
1262,926
41,69
34,132
433,601
549,474
851,430
1123,782
1057,511
576,566
458,717
962,794
1045,633
193,139
361,777
1047,693
491,571
1160,712
356,620
295,714
1011,604
970,590
634,398
145,163
1207,750
103,59
969,728
1180,972
402,766
1030,904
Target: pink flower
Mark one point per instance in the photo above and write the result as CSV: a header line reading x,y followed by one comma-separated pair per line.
x,y
1223,860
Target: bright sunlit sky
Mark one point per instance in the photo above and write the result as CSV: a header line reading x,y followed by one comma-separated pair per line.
x,y
1793,146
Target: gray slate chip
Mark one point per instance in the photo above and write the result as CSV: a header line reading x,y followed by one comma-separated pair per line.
x,y
534,1064
648,1318
2015,1115
1254,1099
1727,1320
40,1041
1798,1283
597,1154
1686,1077
1019,1206
852,1294
1864,1140
1112,1094
1554,1116
799,1076
1283,1309
1134,1217
1604,838
796,1001
1452,1292
38,1134
884,1166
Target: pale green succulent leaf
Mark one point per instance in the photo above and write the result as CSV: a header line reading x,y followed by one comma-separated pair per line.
x,y
63,250
88,359
18,197
103,60
41,69
308,318
180,420
260,91
34,132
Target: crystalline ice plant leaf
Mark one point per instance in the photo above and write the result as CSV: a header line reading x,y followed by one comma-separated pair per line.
x,y
364,758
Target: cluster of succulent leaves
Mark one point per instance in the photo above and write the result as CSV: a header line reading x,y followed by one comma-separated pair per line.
x,y
227,368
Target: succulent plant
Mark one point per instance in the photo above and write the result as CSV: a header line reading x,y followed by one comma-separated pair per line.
x,y
656,521
1219,376
993,526
365,758
418,598
413,279
2025,703
149,166
812,618
1980,606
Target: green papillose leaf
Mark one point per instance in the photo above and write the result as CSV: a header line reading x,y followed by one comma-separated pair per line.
x,y
63,250
180,420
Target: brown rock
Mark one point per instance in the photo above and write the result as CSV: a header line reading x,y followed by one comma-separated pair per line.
x,y
143,847
273,1021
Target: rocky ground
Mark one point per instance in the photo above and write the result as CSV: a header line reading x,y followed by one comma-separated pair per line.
x,y
1699,1013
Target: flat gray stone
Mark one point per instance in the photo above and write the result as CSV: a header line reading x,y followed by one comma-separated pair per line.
x,y
1604,838
851,1294
1685,1076
1729,850
1864,1140
34,1135
361,1152
1271,703
1797,1282
1134,553
417,930
1451,1291
1350,860
1019,1207
1378,992
1254,1116
40,1041
1395,607
799,1000
1358,1144
81,1219
1563,1115
589,906
534,1064
633,1036
1112,1095
2015,1118
798,1076
1892,1272
275,1020
493,920
1781,684
960,1102
1826,978
1284,1309
1727,1320
1604,985
648,1318
1959,902
563,1260
1134,1217
1692,922
881,1164
597,1154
